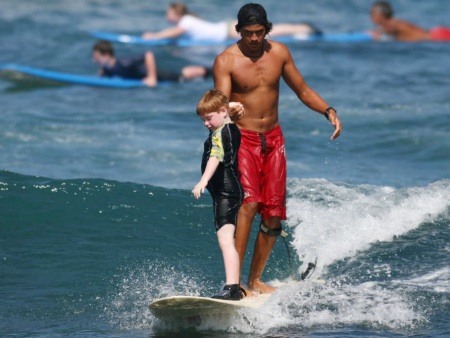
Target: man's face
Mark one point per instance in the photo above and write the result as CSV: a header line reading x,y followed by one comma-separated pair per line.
x,y
253,36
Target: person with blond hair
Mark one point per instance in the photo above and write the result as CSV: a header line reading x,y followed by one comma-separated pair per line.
x,y
220,176
189,25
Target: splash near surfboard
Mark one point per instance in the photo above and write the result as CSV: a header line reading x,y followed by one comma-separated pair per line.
x,y
196,307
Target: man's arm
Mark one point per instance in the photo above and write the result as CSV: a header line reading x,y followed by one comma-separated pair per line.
x,y
307,95
222,75
222,82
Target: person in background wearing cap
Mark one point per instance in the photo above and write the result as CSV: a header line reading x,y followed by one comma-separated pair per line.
x,y
382,15
249,72
190,25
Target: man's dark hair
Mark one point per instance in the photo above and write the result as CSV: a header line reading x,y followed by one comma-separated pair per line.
x,y
253,14
104,47
385,8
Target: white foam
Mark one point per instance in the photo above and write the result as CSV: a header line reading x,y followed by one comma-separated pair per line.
x,y
335,221
127,306
435,281
308,304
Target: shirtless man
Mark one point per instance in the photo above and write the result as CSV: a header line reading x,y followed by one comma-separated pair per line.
x,y
250,72
382,15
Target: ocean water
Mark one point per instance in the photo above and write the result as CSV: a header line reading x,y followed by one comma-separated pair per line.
x,y
96,214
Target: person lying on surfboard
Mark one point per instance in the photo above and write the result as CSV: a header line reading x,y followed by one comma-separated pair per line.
x,y
382,15
142,67
220,177
190,25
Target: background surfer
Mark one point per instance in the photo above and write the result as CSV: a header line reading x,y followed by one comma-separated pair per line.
x,y
141,67
189,24
382,15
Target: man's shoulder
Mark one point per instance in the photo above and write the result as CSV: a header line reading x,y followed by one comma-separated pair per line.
x,y
227,56
229,52
277,47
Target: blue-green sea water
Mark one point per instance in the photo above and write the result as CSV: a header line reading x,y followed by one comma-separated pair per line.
x,y
96,214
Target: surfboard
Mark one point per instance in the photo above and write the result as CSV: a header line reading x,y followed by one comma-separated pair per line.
x,y
186,42
190,306
86,80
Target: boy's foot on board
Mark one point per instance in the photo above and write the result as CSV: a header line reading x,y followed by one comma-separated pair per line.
x,y
231,292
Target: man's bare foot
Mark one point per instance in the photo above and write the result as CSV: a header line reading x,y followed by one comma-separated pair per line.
x,y
260,287
248,292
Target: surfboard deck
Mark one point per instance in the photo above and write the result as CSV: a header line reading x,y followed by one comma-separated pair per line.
x,y
86,80
195,306
186,42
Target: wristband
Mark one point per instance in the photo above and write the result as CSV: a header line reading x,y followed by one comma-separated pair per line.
x,y
327,112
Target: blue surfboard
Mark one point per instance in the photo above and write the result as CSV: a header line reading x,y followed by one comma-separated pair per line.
x,y
186,42
86,80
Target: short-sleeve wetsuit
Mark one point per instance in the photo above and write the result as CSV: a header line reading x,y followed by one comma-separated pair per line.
x,y
224,185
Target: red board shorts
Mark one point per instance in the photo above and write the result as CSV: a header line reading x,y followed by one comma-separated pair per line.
x,y
262,169
440,34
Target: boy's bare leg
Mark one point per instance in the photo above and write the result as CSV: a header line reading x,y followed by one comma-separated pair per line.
x,y
225,235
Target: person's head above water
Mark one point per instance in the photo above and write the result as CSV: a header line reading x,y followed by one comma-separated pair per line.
x,y
253,14
176,11
383,8
104,48
179,8
103,53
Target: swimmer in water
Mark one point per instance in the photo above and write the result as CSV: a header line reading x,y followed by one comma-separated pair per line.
x,y
382,15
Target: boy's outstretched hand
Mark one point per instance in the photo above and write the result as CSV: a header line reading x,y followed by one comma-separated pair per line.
x,y
199,189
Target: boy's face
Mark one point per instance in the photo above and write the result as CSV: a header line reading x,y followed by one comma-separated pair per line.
x,y
215,120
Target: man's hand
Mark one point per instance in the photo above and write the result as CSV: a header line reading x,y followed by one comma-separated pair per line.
x,y
236,111
334,120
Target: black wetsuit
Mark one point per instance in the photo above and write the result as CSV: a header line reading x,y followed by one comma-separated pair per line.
x,y
134,68
224,185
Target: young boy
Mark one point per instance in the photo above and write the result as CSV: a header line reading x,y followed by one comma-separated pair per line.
x,y
220,177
